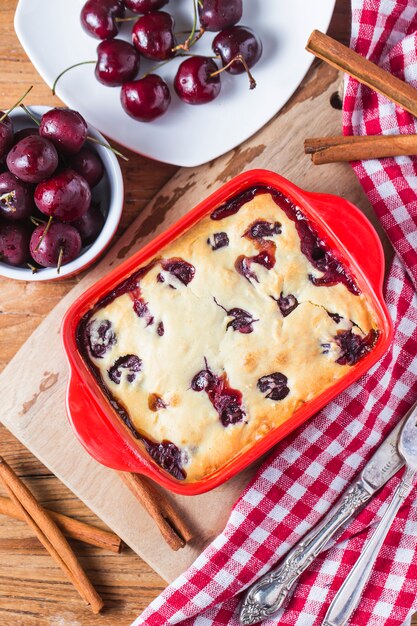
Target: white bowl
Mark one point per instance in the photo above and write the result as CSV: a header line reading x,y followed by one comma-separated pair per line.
x,y
109,192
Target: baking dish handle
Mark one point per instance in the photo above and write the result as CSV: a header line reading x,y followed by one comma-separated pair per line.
x,y
95,431
355,233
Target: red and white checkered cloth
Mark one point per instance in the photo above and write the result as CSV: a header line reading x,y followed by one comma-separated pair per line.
x,y
307,471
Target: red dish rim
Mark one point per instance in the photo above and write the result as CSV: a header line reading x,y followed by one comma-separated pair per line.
x,y
99,428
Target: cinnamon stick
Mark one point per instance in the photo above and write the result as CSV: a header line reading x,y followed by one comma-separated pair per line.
x,y
343,58
172,527
70,527
49,535
353,148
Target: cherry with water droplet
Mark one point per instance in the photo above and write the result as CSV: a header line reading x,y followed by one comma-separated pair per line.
x,y
16,198
14,243
24,132
32,159
218,14
117,62
65,128
65,196
153,36
87,164
234,44
98,17
60,244
194,81
145,99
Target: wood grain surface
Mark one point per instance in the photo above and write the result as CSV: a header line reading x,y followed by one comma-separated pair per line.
x,y
32,590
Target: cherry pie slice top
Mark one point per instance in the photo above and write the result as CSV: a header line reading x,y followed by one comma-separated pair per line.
x,y
223,335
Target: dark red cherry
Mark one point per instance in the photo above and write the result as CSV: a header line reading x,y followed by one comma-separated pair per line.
x,y
65,196
182,270
218,14
194,81
141,309
117,62
354,346
275,384
101,337
59,237
14,243
145,99
168,456
66,129
90,224
225,400
98,17
262,229
32,159
88,164
131,363
153,36
219,240
145,6
24,132
16,199
6,134
242,320
234,41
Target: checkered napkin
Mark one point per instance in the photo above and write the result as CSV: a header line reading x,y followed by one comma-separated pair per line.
x,y
308,471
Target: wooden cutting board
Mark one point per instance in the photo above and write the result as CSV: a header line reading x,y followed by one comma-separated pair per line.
x,y
33,385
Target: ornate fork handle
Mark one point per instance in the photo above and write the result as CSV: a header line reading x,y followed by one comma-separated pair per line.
x,y
267,595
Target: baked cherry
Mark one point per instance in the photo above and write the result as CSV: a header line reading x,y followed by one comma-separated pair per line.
x,y
153,36
65,196
218,14
286,304
182,270
131,363
117,62
66,129
101,337
275,384
238,47
196,81
168,456
14,243
145,99
98,17
242,320
354,346
335,317
219,240
90,224
55,244
156,403
141,309
16,199
32,159
262,229
160,329
6,134
88,164
225,400
145,6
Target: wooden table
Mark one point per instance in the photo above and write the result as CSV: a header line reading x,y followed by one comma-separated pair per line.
x,y
32,588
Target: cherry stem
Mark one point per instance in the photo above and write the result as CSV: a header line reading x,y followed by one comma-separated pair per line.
x,y
7,198
66,70
58,265
32,267
190,41
126,19
180,54
29,112
238,57
38,222
44,232
108,146
16,104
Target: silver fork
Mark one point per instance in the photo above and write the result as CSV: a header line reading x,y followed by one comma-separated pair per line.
x,y
347,598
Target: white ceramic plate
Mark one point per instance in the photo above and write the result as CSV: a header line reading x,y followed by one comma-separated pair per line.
x,y
52,36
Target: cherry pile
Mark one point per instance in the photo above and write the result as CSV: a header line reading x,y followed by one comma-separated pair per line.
x,y
197,80
46,175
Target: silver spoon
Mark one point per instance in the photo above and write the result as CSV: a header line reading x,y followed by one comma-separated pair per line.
x,y
347,598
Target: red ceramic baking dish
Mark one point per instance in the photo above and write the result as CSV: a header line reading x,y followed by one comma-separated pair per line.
x,y
99,428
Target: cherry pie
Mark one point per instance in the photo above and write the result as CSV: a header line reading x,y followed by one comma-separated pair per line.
x,y
224,334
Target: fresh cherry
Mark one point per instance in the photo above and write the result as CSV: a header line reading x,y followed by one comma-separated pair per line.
x,y
32,159
6,134
16,199
218,14
275,384
24,132
195,82
145,6
66,129
65,196
14,243
234,43
153,36
145,99
90,224
60,244
98,17
117,62
131,363
88,164
101,337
